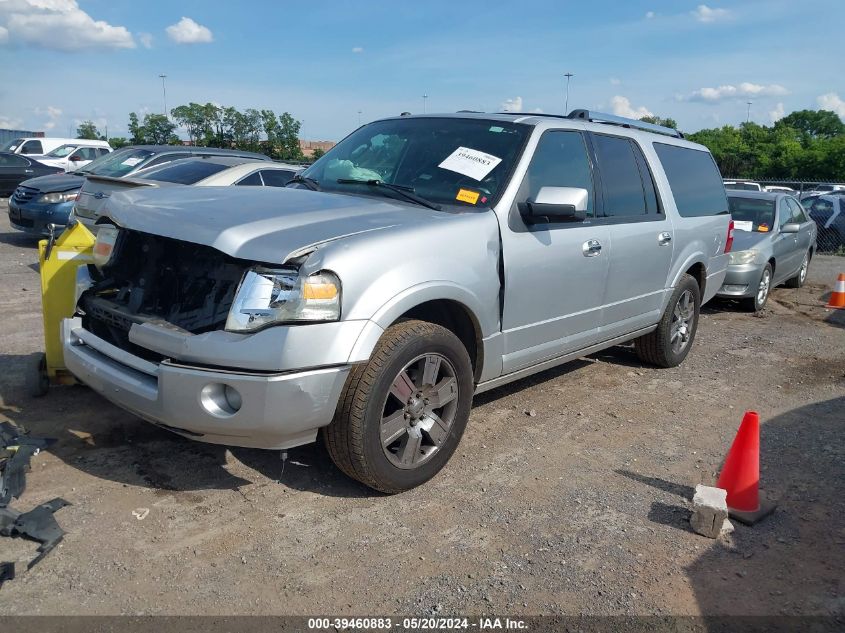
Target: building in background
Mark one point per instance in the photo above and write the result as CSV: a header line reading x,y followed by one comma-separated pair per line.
x,y
308,147
8,135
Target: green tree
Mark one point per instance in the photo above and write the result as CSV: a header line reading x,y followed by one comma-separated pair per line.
x,y
814,123
288,137
194,118
317,153
117,142
136,130
656,120
88,130
156,129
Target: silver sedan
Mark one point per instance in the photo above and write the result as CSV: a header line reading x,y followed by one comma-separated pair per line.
x,y
774,242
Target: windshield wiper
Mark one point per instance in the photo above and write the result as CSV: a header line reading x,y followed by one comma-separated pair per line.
x,y
312,184
403,190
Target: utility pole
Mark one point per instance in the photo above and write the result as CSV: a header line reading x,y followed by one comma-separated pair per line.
x,y
748,113
164,93
359,118
425,97
566,106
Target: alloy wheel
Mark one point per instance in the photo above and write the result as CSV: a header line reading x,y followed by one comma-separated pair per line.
x,y
763,288
682,321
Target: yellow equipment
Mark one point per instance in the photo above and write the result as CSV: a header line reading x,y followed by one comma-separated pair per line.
x,y
58,260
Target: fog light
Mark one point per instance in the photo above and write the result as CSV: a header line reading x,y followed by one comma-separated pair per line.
x,y
734,288
220,400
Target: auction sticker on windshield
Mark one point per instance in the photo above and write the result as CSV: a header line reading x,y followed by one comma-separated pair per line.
x,y
743,225
466,195
470,162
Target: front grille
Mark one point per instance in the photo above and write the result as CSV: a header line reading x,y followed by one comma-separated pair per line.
x,y
24,194
152,278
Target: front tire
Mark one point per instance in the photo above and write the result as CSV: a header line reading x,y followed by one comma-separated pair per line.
x,y
403,412
764,287
669,344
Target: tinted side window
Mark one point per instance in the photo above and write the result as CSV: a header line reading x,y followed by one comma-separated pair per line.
x,y
32,147
651,200
560,160
253,180
622,186
694,180
187,172
276,177
798,214
13,160
102,151
784,213
165,158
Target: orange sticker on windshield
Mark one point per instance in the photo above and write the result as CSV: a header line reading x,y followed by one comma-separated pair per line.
x,y
763,228
465,195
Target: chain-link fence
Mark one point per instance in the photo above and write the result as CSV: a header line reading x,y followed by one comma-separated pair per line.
x,y
828,212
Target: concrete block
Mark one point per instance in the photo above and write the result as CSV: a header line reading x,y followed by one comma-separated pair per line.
x,y
709,510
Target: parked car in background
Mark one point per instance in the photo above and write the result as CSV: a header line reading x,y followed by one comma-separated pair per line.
x,y
72,156
774,242
828,212
421,260
14,169
779,189
208,171
34,206
35,145
743,185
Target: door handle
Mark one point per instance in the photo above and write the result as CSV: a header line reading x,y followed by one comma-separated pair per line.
x,y
591,248
664,238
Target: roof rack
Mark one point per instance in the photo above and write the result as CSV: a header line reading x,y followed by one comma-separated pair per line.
x,y
612,119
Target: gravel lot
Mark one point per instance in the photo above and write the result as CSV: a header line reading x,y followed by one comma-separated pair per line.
x,y
569,494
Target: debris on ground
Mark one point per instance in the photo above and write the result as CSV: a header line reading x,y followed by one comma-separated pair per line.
x,y
709,511
16,450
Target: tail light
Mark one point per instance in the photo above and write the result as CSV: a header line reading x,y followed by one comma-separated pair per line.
x,y
730,241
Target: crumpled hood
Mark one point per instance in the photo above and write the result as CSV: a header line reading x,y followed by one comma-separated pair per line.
x,y
748,240
54,182
263,224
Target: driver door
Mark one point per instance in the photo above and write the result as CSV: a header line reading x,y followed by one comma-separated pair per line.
x,y
556,273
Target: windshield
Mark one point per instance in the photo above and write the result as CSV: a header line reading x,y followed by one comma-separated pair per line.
x,y
446,161
10,146
61,151
116,164
752,214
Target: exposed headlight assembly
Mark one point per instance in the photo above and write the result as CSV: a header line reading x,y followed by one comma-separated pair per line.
x,y
269,296
742,257
104,245
63,196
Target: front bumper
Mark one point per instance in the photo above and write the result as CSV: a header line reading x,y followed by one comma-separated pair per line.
x,y
275,410
33,217
741,281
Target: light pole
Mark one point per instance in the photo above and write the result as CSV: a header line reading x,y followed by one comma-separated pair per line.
x,y
425,97
359,118
566,106
164,93
748,113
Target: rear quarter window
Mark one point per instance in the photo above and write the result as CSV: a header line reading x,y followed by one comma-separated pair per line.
x,y
186,173
694,180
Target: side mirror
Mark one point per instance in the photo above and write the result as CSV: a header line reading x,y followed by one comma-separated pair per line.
x,y
556,204
791,227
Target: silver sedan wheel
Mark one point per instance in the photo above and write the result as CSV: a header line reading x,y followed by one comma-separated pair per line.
x,y
419,411
763,288
682,321
802,275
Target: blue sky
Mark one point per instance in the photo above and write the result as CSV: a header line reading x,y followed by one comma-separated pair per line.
x,y
62,61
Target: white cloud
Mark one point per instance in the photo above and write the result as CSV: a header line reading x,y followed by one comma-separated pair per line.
x,y
10,123
186,31
512,105
742,91
58,25
614,81
649,15
622,107
708,15
832,101
358,49
777,113
146,39
52,113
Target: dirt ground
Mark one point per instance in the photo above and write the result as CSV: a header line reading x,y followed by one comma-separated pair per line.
x,y
580,507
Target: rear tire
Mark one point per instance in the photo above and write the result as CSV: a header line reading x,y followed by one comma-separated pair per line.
x,y
669,344
403,412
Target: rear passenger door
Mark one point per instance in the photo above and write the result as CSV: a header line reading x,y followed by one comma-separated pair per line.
x,y
640,236
785,245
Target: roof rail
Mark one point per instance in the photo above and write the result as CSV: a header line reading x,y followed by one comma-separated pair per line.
x,y
612,119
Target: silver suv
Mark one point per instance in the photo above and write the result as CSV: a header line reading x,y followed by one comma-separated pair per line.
x,y
422,260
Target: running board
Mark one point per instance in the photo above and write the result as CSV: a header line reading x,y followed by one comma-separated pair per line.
x,y
559,360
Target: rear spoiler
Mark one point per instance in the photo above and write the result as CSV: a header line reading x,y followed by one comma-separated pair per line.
x,y
125,182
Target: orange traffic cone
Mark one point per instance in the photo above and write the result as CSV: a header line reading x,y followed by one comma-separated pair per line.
x,y
740,475
837,297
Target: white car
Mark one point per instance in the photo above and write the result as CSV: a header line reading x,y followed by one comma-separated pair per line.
x,y
779,189
743,185
41,145
72,156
